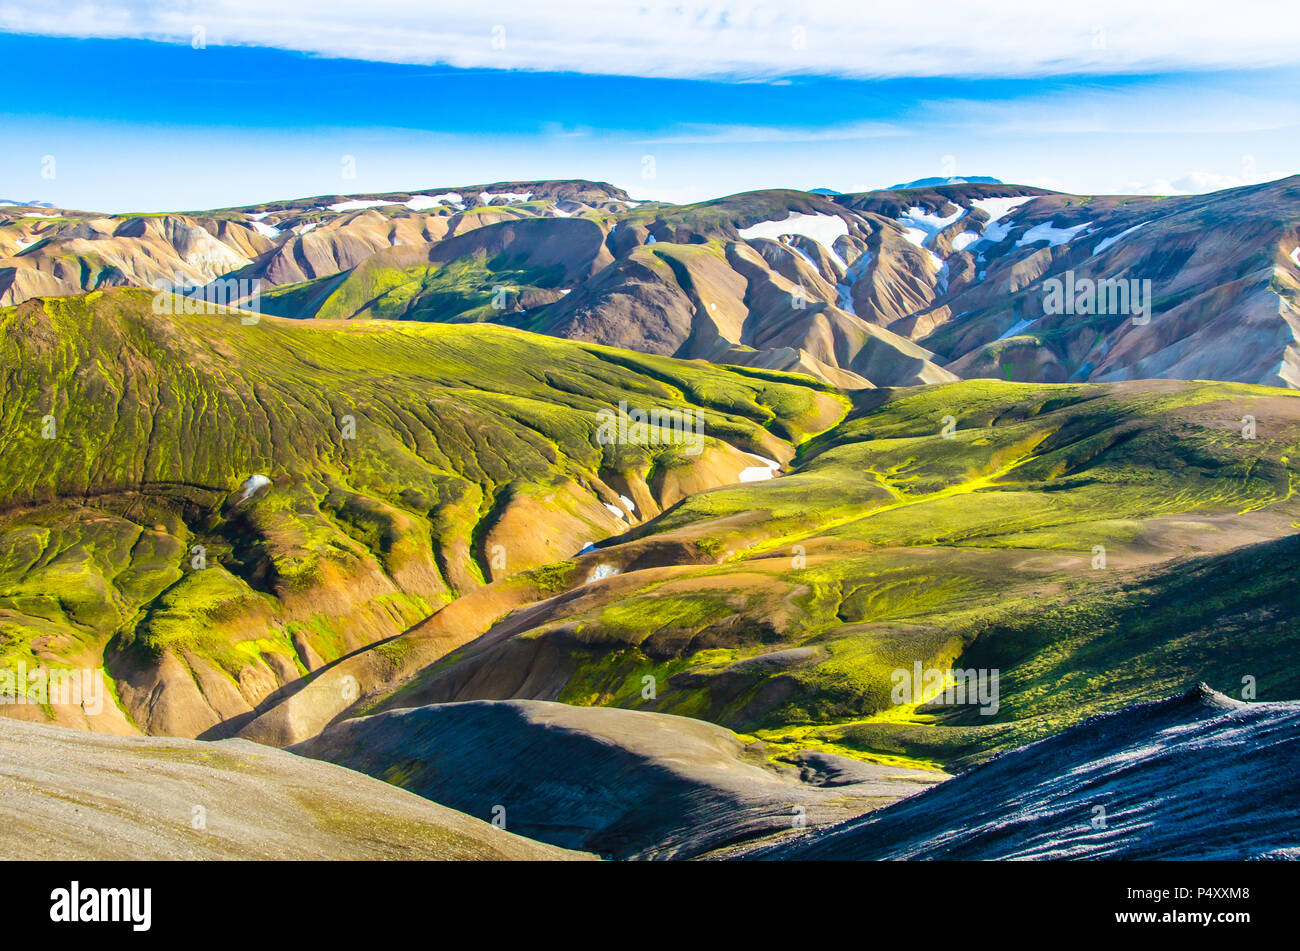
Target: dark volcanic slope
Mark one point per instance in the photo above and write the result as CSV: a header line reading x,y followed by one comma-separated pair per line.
x,y
1200,776
619,782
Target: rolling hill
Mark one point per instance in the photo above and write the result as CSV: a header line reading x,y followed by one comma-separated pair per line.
x,y
623,783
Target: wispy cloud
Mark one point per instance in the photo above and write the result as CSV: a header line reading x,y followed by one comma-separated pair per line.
x,y
701,134
172,127
716,38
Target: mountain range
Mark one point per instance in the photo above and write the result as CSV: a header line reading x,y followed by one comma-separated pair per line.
x,y
923,284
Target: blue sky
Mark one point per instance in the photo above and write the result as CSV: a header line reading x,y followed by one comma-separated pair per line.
x,y
135,117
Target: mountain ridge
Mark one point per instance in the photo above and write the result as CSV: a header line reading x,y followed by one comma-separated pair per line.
x,y
881,288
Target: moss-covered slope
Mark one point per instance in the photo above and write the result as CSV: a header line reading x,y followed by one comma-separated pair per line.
x,y
216,507
1091,543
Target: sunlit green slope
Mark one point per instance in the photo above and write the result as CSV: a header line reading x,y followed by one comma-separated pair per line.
x,y
392,467
1098,545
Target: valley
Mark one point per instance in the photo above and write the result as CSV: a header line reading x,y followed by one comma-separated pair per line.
x,y
622,517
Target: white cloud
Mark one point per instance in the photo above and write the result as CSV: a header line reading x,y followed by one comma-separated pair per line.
x,y
726,38
1197,183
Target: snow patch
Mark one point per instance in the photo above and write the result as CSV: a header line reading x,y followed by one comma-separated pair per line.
x,y
358,203
941,280
425,202
844,298
823,229
1051,234
602,571
1295,256
627,503
1018,327
618,512
265,230
859,267
303,229
804,254
844,292
927,222
1107,242
252,484
767,470
915,235
508,197
997,209
964,240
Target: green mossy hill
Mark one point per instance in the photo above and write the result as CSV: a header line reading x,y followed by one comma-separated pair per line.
x,y
1097,544
393,452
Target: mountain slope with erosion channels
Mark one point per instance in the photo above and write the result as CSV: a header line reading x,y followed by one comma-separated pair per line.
x,y
213,510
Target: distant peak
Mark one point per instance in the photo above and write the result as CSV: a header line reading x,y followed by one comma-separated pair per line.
x,y
951,180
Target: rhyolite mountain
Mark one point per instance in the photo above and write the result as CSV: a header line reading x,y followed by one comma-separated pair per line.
x,y
920,284
262,529
1157,780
